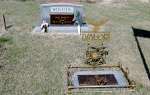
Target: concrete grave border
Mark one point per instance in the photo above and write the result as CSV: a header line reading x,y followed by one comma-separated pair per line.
x,y
73,71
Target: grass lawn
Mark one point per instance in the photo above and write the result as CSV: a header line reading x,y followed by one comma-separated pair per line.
x,y
34,64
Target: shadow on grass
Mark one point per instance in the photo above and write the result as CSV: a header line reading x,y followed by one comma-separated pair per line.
x,y
145,34
9,26
141,33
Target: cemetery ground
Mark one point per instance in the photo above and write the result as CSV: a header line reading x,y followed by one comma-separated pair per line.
x,y
33,64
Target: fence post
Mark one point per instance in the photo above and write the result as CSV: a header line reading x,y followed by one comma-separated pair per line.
x,y
5,26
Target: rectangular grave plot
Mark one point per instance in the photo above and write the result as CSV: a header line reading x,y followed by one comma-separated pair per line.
x,y
92,79
107,77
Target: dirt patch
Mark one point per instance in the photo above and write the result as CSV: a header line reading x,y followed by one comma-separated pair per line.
x,y
97,79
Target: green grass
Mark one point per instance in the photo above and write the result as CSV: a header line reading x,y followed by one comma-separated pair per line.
x,y
34,64
5,40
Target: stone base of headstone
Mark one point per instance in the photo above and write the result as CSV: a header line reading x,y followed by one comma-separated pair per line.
x,y
88,1
91,1
63,29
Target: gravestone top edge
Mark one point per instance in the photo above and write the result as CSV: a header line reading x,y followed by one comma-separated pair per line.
x,y
57,4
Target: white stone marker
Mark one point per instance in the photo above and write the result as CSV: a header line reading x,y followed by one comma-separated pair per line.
x,y
79,29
